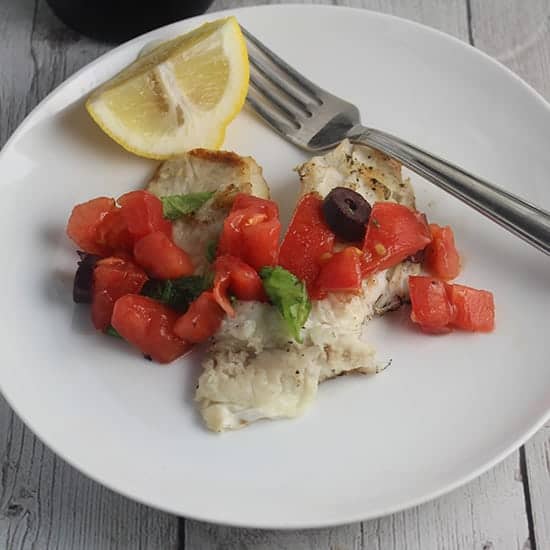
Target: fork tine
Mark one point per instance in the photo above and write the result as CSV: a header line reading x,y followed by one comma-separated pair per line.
x,y
306,85
280,104
281,85
268,116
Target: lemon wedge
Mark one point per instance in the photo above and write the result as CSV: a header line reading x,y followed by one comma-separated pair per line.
x,y
181,95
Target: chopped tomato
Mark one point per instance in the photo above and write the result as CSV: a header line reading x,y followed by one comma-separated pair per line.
x,y
394,232
113,277
474,309
251,231
431,308
232,274
244,200
439,306
143,213
113,232
148,325
84,222
340,273
441,257
201,320
307,239
161,258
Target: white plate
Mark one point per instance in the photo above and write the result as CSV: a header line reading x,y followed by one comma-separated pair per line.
x,y
449,407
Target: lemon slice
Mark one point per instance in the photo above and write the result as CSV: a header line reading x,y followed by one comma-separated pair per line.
x,y
179,96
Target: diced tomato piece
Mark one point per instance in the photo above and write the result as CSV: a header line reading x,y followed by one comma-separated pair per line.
x,y
340,273
261,243
143,213
220,291
474,309
244,200
232,274
251,231
307,239
441,257
113,232
161,258
113,277
201,320
84,222
394,232
431,308
439,306
148,325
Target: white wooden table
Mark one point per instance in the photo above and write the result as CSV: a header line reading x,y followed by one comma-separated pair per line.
x,y
47,504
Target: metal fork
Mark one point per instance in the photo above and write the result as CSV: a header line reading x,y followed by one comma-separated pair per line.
x,y
316,120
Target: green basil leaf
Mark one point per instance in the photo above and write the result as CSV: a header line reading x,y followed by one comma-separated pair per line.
x,y
176,206
289,295
112,331
177,293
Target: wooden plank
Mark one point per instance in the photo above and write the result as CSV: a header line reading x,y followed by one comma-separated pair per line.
x,y
487,513
44,502
537,458
448,16
518,35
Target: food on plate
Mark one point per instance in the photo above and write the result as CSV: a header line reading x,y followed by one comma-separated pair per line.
x,y
181,95
256,367
441,256
198,258
346,212
221,173
439,307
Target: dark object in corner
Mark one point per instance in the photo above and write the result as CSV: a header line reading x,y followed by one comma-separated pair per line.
x,y
120,20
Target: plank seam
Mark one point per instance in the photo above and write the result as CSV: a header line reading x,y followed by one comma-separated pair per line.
x,y
33,86
469,21
181,534
527,497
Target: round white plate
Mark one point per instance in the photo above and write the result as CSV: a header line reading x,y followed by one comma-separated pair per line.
x,y
448,408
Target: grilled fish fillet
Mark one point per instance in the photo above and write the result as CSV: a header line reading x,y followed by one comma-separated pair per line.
x,y
252,370
200,170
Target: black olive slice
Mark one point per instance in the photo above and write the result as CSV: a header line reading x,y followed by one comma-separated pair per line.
x,y
83,279
346,213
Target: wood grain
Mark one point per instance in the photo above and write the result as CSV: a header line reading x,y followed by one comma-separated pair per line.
x,y
487,514
537,458
44,502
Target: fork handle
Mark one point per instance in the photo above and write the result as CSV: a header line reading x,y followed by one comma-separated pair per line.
x,y
518,216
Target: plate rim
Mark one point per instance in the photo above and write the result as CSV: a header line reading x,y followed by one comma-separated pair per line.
x,y
376,512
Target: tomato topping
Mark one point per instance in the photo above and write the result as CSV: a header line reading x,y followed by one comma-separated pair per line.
x,y
148,325
161,258
474,309
243,281
394,232
340,273
113,277
441,257
201,320
143,213
251,231
84,221
113,232
244,200
307,239
439,306
431,308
